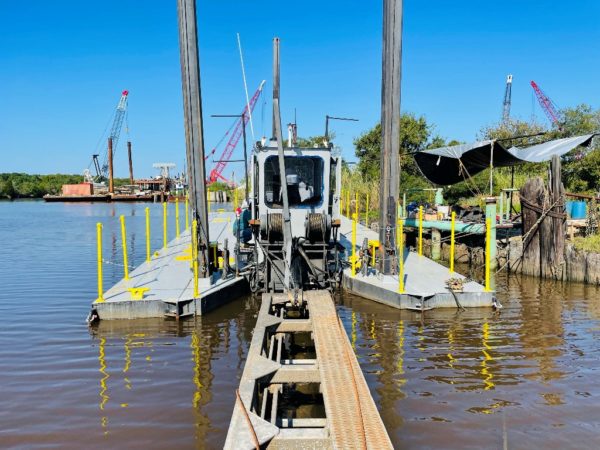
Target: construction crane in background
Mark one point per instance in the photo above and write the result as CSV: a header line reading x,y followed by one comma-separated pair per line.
x,y
507,100
217,173
549,107
115,132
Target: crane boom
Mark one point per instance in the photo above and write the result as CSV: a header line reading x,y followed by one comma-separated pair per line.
x,y
547,105
217,172
507,100
115,130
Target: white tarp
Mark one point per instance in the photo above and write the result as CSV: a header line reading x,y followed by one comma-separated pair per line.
x,y
545,152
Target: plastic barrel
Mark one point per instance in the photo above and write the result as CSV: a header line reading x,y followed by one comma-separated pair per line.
x,y
569,207
578,210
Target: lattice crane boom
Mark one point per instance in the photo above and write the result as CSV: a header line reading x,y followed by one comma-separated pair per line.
x,y
547,105
507,100
217,172
115,130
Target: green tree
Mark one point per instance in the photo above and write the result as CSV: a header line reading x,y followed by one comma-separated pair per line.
x,y
415,135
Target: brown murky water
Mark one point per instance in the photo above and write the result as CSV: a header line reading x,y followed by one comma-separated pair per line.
x,y
526,377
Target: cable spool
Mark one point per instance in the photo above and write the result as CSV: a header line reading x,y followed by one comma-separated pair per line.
x,y
275,227
317,227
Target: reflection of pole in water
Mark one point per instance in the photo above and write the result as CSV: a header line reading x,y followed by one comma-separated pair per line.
x,y
485,372
127,347
451,358
354,321
103,386
400,365
195,345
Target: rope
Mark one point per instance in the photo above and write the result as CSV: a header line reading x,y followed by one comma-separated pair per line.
x,y
533,228
247,417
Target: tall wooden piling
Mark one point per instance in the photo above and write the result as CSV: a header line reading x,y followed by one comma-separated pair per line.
x,y
130,162
194,133
111,185
390,131
544,221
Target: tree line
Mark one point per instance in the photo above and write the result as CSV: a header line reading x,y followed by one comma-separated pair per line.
x,y
23,185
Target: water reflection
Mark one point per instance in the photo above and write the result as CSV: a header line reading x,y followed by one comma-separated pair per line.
x,y
150,354
451,367
442,379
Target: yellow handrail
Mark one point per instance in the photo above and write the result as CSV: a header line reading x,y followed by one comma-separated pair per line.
x,y
147,234
100,298
124,246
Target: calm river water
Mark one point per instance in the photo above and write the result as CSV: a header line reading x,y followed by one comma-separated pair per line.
x,y
527,377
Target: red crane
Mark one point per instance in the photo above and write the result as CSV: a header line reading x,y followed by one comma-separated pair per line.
x,y
217,172
547,105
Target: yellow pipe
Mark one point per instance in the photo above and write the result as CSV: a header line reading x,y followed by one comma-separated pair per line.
x,y
348,205
452,229
400,240
164,224
367,212
488,232
100,298
124,245
208,198
147,234
194,256
177,218
187,213
356,205
420,230
354,244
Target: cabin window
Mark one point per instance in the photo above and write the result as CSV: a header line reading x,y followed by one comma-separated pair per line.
x,y
304,176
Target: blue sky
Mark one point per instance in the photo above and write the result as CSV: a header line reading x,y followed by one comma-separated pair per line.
x,y
64,63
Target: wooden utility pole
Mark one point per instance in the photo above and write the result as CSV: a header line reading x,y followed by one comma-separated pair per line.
x,y
130,162
194,135
111,181
390,132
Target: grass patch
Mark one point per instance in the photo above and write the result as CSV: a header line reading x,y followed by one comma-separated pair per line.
x,y
588,244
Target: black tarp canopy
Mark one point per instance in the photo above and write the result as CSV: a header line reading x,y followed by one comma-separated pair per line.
x,y
450,165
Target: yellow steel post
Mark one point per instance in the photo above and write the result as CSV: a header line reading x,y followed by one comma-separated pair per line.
x,y
147,234
177,217
356,206
194,256
488,232
367,212
187,212
208,198
193,246
99,256
348,205
420,230
373,250
400,240
164,224
354,217
124,245
452,228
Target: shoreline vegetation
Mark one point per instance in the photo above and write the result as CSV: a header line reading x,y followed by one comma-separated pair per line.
x,y
15,185
581,171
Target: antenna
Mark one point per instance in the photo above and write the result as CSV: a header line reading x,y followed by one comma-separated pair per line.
x,y
245,86
275,83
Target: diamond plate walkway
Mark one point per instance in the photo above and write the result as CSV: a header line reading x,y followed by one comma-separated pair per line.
x,y
354,421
